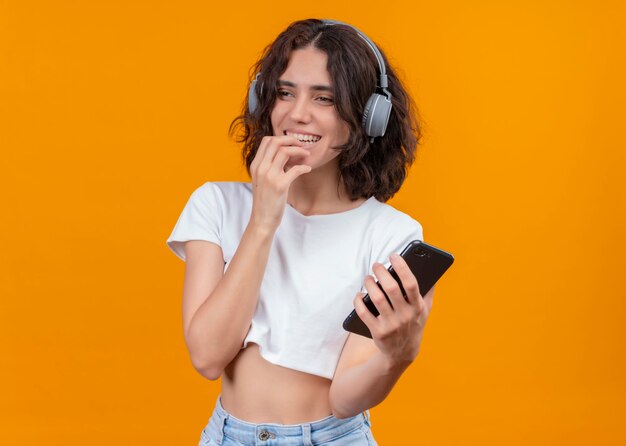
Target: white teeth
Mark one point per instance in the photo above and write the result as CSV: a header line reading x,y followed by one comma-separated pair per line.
x,y
304,138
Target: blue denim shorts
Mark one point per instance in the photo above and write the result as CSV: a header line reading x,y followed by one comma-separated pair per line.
x,y
225,430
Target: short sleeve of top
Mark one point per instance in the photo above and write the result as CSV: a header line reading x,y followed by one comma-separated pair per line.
x,y
392,233
201,219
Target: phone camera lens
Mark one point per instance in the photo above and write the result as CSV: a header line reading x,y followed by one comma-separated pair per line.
x,y
420,252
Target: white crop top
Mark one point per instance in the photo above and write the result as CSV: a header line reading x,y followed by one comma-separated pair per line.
x,y
316,266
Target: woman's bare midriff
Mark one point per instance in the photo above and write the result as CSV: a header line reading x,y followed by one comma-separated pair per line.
x,y
258,391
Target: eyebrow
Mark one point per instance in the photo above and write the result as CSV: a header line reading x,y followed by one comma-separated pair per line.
x,y
282,83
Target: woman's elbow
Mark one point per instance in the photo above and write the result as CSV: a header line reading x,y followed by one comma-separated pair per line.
x,y
209,371
336,411
342,413
211,374
338,414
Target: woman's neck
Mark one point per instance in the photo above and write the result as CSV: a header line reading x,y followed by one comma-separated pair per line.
x,y
320,192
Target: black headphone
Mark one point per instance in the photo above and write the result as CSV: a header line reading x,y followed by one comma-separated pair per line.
x,y
378,107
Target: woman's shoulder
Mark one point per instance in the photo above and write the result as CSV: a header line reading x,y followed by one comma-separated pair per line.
x,y
224,189
389,217
391,231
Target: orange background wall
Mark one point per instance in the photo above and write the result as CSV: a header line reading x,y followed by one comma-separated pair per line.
x,y
112,113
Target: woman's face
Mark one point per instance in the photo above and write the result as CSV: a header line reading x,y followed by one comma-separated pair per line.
x,y
305,109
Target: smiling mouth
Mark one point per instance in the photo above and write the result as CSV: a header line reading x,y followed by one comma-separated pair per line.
x,y
306,139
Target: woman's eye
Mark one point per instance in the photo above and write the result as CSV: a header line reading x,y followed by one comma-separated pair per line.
x,y
282,93
325,99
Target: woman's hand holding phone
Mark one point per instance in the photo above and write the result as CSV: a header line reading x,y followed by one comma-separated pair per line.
x,y
397,331
270,181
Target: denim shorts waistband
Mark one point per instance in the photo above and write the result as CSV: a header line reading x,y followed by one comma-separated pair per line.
x,y
320,431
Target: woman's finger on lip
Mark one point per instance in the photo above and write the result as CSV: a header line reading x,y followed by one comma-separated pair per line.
x,y
283,156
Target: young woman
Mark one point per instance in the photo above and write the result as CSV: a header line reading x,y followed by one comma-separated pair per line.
x,y
274,266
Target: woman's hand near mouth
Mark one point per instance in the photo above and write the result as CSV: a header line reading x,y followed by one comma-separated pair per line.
x,y
270,181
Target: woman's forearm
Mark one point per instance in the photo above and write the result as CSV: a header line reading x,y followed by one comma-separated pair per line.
x,y
220,324
364,386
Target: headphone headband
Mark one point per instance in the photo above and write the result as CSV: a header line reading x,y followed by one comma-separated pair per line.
x,y
373,47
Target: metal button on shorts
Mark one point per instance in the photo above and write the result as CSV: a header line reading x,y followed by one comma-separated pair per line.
x,y
265,435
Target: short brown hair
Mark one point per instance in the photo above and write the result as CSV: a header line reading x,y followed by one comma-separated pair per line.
x,y
366,168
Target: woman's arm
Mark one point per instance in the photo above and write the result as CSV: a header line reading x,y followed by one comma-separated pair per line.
x,y
368,369
218,306
215,326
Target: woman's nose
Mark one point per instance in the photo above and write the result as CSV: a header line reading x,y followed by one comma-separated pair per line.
x,y
300,110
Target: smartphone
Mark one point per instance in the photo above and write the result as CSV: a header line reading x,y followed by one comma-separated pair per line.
x,y
427,264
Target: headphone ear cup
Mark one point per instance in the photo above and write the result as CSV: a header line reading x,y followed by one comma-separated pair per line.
x,y
253,101
376,115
